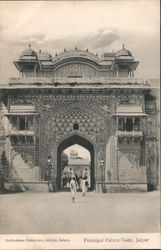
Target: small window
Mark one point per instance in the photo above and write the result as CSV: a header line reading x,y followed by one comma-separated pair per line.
x,y
76,126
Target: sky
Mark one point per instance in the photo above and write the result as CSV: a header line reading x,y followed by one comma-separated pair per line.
x,y
100,26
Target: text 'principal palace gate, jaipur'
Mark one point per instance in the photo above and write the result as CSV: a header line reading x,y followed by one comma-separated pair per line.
x,y
78,98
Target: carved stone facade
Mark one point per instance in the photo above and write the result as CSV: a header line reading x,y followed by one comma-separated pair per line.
x,y
113,118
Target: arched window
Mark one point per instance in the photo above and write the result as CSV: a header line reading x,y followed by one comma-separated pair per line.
x,y
76,126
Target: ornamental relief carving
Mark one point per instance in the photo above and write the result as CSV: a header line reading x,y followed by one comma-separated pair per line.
x,y
46,102
66,121
46,107
149,126
59,119
130,99
21,100
75,69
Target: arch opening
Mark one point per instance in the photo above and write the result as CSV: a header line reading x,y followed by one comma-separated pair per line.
x,y
75,167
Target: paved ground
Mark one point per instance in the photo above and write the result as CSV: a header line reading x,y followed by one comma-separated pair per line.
x,y
55,213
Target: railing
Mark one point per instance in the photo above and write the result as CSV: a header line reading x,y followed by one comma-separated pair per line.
x,y
129,133
21,132
92,81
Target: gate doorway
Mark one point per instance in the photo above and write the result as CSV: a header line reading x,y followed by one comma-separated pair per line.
x,y
64,173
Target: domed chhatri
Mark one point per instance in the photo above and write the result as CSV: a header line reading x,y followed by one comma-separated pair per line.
x,y
121,54
28,54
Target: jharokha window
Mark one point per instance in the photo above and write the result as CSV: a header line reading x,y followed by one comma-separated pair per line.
x,y
22,140
129,124
22,123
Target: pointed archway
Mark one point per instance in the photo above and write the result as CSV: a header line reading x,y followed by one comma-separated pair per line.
x,y
75,139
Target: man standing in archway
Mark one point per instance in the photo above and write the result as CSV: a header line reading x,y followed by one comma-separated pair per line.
x,y
73,188
84,185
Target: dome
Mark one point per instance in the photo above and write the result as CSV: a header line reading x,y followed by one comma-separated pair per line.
x,y
124,53
44,56
28,54
76,53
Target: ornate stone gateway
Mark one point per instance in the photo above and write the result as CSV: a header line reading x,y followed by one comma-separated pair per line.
x,y
73,121
79,98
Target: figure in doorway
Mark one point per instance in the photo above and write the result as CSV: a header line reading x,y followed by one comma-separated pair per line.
x,y
77,181
84,185
73,188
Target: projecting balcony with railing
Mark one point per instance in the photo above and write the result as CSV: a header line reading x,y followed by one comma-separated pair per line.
x,y
72,81
21,132
129,127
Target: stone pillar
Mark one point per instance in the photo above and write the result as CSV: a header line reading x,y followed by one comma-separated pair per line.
x,y
117,73
132,73
34,70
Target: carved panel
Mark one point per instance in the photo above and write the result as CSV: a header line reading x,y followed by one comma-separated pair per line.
x,y
129,168
26,152
150,104
75,70
60,118
129,149
97,106
62,123
149,125
130,99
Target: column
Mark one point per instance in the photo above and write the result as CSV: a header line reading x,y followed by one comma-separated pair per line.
x,y
25,123
117,124
17,126
133,122
117,73
34,70
125,122
132,73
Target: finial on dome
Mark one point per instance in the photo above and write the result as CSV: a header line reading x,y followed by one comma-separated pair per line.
x,y
64,49
87,49
39,50
29,46
76,48
123,46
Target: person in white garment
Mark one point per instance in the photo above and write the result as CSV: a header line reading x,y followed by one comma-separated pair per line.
x,y
73,188
84,185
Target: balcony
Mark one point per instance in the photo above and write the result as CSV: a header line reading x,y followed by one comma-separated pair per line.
x,y
105,81
21,132
129,133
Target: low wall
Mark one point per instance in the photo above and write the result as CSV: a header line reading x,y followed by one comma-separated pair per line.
x,y
120,187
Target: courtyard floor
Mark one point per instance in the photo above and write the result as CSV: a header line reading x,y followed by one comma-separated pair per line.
x,y
49,213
